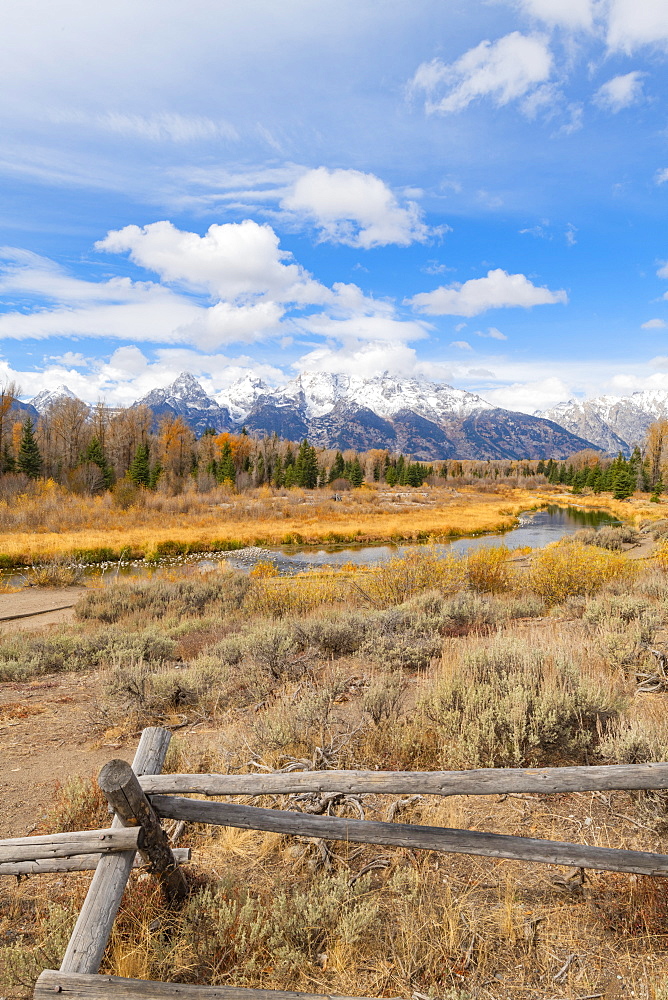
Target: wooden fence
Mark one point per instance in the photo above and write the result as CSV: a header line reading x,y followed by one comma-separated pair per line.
x,y
140,796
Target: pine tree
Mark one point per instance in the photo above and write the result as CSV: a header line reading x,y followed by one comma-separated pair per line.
x,y
356,476
336,471
140,470
306,468
95,453
29,459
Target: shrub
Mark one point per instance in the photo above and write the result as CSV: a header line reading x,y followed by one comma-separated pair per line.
x,y
158,597
512,703
382,699
613,537
488,570
563,570
26,656
334,633
417,570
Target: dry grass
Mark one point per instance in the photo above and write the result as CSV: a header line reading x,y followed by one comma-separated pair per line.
x,y
421,664
50,525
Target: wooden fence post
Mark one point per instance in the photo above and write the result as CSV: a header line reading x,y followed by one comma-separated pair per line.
x,y
93,927
119,783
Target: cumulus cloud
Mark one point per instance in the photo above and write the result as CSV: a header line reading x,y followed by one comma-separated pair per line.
x,y
620,92
571,14
503,71
497,290
355,208
632,24
654,324
357,357
235,261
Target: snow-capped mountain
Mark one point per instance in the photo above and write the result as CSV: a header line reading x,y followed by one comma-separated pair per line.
x,y
242,396
318,393
428,420
613,423
47,397
186,398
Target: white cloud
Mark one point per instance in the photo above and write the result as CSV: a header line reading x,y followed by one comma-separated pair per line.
x,y
492,333
360,358
632,24
167,126
620,92
498,290
355,208
663,270
572,14
527,397
462,345
236,261
661,176
504,71
654,324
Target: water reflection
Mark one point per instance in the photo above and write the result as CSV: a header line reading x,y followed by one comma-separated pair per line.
x,y
534,531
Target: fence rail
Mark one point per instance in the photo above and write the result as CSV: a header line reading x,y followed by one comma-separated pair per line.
x,y
486,781
140,796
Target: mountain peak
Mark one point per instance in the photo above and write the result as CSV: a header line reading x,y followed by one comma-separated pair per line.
x,y
47,397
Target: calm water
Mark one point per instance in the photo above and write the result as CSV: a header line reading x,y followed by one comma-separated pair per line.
x,y
534,531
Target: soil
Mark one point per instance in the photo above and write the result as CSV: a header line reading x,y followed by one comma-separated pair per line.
x,y
32,607
48,732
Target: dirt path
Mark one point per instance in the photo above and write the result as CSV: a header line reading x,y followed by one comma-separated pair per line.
x,y
37,607
48,732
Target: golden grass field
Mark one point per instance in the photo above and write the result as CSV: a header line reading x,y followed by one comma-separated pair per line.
x,y
421,663
57,524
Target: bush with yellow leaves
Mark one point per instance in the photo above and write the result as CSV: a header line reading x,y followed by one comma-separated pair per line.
x,y
564,570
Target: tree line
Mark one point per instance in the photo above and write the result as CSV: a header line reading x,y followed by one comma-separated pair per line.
x,y
90,449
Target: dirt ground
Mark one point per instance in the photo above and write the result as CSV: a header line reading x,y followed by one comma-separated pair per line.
x,y
48,732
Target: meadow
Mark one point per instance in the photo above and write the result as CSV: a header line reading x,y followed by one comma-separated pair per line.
x,y
422,663
50,522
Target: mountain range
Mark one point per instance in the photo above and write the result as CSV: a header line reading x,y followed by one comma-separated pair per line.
x,y
612,423
427,420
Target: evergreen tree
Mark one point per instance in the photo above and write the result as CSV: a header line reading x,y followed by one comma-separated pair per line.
x,y
355,476
306,467
278,477
336,471
623,484
95,453
140,470
226,470
29,458
391,475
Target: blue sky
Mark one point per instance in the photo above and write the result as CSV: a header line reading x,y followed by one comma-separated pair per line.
x,y
474,191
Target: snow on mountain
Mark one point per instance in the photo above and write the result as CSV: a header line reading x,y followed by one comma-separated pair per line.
x,y
186,398
318,393
47,397
185,391
240,398
611,422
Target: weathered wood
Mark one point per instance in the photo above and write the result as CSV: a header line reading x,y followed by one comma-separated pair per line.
x,y
487,781
79,987
93,927
120,785
75,863
403,835
63,845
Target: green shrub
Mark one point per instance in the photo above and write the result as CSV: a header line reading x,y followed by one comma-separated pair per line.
x,y
511,703
154,599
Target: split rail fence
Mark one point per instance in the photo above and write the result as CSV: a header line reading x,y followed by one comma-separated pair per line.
x,y
141,796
